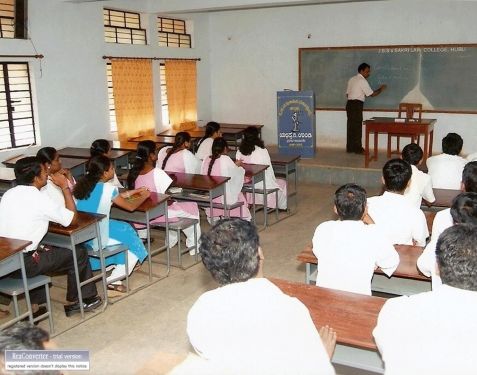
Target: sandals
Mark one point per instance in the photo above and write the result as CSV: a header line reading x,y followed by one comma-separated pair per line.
x,y
115,290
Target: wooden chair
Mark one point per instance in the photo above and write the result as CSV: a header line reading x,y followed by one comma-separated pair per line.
x,y
406,111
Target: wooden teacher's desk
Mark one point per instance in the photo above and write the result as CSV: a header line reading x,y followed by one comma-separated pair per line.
x,y
353,317
389,125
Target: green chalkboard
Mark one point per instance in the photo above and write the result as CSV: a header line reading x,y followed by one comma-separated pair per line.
x,y
441,77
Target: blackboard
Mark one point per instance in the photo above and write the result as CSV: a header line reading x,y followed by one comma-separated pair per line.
x,y
441,77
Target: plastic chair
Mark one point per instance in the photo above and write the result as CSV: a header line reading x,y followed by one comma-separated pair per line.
x,y
407,111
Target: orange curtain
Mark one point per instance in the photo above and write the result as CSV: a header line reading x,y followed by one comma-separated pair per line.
x,y
133,98
181,85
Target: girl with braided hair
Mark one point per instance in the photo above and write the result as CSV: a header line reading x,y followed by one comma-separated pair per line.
x,y
178,158
103,147
220,164
212,131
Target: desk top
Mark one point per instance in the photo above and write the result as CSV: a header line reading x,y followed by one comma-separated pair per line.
x,y
391,120
196,132
238,126
253,169
153,201
84,220
283,159
154,138
123,146
353,316
407,267
10,246
197,181
444,197
84,153
7,175
66,162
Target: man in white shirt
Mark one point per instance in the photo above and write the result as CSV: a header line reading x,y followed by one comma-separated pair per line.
x,y
434,332
446,169
248,325
421,184
394,215
25,213
357,90
348,250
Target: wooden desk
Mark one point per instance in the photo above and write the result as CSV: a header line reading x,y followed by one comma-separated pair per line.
x,y
119,157
11,259
76,166
444,198
213,186
405,280
154,206
7,178
160,140
285,165
130,146
353,317
387,125
256,172
86,228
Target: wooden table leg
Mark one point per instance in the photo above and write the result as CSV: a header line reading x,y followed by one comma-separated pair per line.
x,y
431,139
366,149
376,135
426,146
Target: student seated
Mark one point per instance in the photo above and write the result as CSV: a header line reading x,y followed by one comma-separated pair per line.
x,y
446,169
212,131
434,332
94,193
421,184
394,215
25,214
103,147
178,158
252,151
50,159
144,173
248,324
220,164
348,250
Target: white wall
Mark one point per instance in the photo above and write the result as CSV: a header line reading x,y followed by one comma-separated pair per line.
x,y
254,53
70,81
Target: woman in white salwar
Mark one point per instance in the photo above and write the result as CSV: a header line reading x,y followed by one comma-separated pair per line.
x,y
212,131
178,158
253,151
220,164
144,173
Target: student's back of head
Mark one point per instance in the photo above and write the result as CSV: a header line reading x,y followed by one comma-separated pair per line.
x,y
251,138
100,147
230,251
456,254
26,169
464,209
452,144
412,153
396,175
350,202
469,177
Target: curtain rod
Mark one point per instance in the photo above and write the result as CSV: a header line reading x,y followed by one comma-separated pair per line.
x,y
148,58
22,56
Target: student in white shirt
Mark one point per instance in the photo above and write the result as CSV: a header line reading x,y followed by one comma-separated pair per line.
x,y
434,332
446,169
212,131
248,325
103,147
178,158
421,184
348,250
395,216
25,214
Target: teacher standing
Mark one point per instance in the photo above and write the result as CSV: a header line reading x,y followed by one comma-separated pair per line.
x,y
357,90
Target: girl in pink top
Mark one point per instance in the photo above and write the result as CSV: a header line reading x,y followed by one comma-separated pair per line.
x,y
178,158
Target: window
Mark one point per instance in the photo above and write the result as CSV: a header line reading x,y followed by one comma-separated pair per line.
x,y
12,19
172,33
17,127
112,110
164,104
123,27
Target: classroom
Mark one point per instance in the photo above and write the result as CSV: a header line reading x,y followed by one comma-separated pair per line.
x,y
246,51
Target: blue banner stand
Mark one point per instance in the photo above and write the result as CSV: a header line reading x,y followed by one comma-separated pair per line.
x,y
296,123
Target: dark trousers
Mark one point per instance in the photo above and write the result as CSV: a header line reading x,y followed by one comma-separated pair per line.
x,y
56,260
354,125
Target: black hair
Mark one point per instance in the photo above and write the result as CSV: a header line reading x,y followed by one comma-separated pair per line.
x,y
464,209
412,153
99,147
46,154
210,129
350,202
229,251
250,140
218,147
144,149
452,144
456,253
26,169
396,174
363,66
97,165
469,177
179,140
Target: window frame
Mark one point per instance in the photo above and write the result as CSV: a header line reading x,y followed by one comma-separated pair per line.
x,y
174,33
129,30
19,20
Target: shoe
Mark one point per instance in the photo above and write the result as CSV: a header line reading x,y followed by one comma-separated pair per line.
x,y
89,304
41,310
359,152
116,290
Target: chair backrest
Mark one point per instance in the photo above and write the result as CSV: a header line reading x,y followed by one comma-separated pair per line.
x,y
407,110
